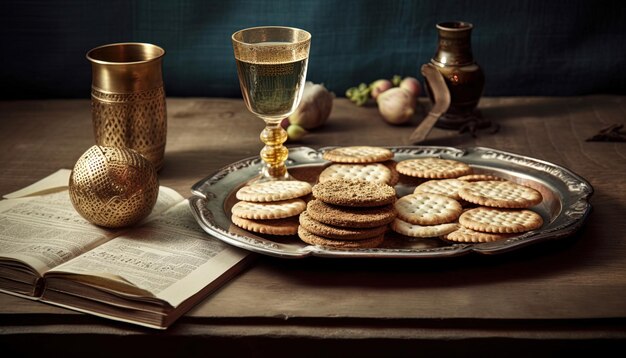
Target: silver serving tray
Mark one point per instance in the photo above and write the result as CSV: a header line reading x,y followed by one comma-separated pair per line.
x,y
564,208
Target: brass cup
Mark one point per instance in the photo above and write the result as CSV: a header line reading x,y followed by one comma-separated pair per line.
x,y
128,98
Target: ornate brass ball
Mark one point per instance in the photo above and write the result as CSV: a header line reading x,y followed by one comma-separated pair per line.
x,y
113,186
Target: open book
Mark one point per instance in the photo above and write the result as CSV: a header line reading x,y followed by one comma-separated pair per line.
x,y
149,274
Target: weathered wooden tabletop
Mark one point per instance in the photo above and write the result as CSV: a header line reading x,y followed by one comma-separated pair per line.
x,y
569,294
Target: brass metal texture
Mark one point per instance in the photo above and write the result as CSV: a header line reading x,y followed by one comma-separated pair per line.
x,y
113,187
128,98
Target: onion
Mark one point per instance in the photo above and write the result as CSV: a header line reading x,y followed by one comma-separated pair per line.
x,y
397,105
412,85
378,87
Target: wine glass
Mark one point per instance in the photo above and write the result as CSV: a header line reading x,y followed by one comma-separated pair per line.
x,y
271,64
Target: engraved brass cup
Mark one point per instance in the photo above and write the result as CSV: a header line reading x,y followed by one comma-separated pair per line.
x,y
128,98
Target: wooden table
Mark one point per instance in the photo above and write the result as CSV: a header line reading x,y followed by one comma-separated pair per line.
x,y
563,296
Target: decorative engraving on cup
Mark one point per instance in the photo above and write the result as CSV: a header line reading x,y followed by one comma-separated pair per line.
x,y
128,98
134,120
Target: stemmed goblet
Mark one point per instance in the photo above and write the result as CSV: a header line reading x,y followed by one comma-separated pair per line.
x,y
271,65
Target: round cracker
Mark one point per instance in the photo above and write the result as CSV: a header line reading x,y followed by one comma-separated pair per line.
x,y
317,240
339,233
494,220
268,210
500,194
350,217
374,172
358,154
354,193
433,168
464,234
286,226
275,190
480,177
414,230
427,209
447,187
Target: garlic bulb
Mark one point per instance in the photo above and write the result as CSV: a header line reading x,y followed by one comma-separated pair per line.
x,y
314,108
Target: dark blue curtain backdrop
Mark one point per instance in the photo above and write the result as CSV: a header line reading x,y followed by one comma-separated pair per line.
x,y
526,47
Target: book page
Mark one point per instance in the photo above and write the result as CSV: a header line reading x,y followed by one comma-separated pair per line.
x,y
45,231
56,181
170,257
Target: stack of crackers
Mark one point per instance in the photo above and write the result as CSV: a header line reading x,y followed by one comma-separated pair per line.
x,y
348,214
270,207
354,199
354,202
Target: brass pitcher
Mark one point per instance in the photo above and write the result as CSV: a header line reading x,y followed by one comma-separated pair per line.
x,y
463,76
128,98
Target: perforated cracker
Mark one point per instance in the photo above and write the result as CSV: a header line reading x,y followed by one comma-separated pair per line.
x,y
354,193
447,187
427,209
337,232
276,190
374,172
350,217
317,240
287,226
414,230
500,194
463,234
358,154
268,210
494,220
480,177
433,168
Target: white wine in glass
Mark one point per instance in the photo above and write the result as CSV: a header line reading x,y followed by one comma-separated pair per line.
x,y
271,64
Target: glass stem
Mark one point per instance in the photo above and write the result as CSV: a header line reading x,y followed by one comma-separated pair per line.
x,y
274,153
